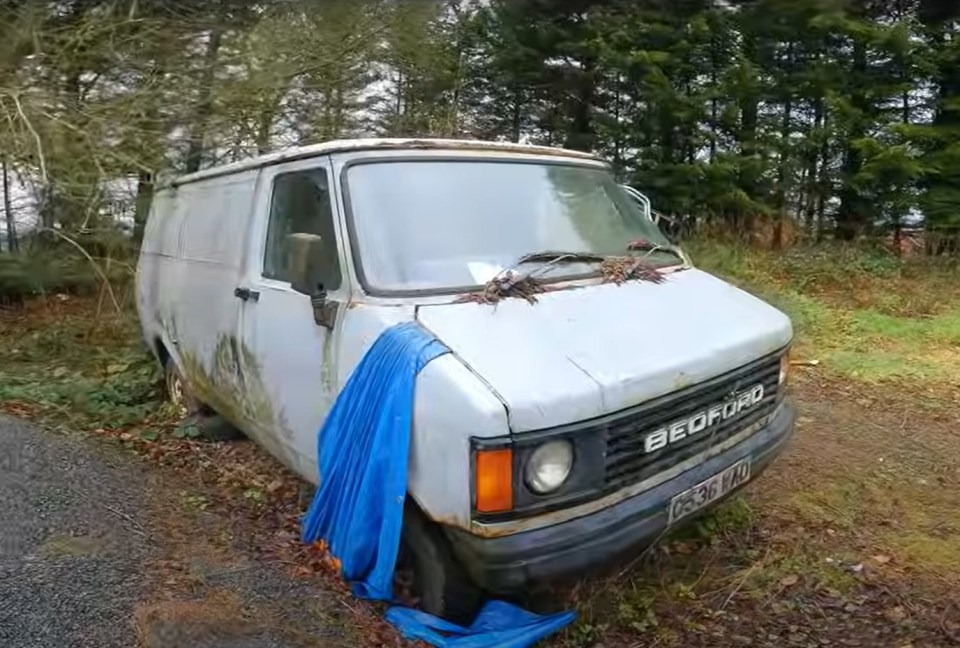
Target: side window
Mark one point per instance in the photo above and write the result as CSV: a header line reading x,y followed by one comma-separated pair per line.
x,y
300,204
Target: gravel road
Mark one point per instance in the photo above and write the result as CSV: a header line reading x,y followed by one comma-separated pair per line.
x,y
78,549
72,546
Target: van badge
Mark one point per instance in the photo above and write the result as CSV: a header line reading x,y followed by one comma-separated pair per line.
x,y
704,419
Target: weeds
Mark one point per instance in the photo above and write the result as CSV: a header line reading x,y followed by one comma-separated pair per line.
x,y
866,315
832,520
78,371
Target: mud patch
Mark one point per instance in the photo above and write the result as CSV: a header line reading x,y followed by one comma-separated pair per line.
x,y
59,545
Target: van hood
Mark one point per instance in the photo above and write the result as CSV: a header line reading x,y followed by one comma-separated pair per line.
x,y
584,352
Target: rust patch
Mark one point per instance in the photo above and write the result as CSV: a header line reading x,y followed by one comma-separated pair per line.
x,y
451,521
682,380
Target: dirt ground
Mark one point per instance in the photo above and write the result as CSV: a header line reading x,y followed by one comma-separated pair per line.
x,y
852,538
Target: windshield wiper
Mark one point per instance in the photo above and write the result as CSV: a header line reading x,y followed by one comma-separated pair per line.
x,y
643,245
509,277
555,256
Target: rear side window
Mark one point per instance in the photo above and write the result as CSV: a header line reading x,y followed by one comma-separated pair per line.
x,y
300,204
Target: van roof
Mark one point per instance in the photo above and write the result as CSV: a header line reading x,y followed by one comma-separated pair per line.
x,y
363,144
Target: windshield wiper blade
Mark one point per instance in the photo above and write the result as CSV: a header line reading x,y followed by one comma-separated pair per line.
x,y
555,256
643,245
508,277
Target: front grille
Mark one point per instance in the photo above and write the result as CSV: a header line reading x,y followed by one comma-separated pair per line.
x,y
627,463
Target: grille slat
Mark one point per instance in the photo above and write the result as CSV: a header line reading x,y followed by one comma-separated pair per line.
x,y
626,461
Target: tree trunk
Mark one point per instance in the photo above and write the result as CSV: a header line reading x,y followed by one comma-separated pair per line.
x,y
618,130
853,214
714,104
142,205
265,124
813,181
581,135
781,198
749,108
517,114
12,244
823,177
204,102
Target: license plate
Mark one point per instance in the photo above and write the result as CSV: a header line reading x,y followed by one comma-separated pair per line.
x,y
693,499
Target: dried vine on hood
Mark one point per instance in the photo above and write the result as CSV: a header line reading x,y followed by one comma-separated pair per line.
x,y
624,268
506,285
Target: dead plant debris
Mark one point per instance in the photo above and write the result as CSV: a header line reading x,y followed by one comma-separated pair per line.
x,y
621,269
509,284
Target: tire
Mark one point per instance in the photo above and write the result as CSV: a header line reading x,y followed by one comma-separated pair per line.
x,y
210,425
441,583
178,391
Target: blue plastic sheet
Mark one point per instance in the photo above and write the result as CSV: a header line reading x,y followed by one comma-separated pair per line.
x,y
362,455
363,450
498,624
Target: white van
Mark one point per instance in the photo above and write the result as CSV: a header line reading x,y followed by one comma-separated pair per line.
x,y
562,432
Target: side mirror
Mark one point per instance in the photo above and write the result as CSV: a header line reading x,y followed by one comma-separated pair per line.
x,y
308,270
305,262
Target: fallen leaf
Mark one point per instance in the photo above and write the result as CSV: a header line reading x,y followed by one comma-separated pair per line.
x,y
683,548
789,581
895,614
881,559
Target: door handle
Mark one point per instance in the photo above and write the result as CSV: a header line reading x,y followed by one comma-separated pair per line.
x,y
246,294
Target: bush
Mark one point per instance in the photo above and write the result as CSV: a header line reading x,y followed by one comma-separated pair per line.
x,y
50,272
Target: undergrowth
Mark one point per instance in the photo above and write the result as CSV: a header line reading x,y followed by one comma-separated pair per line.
x,y
60,361
861,314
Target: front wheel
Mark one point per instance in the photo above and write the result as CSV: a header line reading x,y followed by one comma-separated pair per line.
x,y
441,583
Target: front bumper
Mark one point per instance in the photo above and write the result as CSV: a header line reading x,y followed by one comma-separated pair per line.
x,y
590,542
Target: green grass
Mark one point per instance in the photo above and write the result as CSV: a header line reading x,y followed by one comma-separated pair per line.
x,y
77,370
862,315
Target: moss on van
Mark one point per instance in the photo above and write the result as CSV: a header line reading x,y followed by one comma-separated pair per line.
x,y
231,383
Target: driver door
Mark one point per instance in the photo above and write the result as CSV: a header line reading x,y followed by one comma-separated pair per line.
x,y
289,375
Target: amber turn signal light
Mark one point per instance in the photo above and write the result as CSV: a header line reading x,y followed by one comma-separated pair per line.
x,y
494,480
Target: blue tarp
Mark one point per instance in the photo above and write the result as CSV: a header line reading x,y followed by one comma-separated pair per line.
x,y
363,449
498,624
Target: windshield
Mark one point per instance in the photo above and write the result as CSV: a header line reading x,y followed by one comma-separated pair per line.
x,y
445,225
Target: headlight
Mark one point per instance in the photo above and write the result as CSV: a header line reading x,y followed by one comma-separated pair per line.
x,y
784,367
549,466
